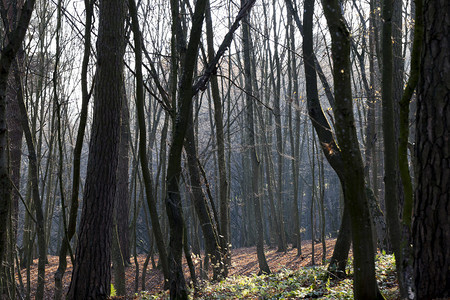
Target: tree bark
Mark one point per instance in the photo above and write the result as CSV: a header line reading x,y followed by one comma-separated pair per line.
x,y
91,275
431,237
15,38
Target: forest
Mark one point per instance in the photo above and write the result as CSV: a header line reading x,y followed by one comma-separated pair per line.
x,y
206,149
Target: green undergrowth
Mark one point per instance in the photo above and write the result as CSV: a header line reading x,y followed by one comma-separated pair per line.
x,y
305,283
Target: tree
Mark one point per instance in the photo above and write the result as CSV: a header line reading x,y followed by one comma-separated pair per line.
x,y
151,202
431,237
92,268
328,143
364,282
15,37
252,151
73,212
218,119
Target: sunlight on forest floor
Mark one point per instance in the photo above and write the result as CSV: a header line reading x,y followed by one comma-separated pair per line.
x,y
293,277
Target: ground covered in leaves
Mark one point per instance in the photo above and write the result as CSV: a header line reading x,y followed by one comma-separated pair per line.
x,y
292,277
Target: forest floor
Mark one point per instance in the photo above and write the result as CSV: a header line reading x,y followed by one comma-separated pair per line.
x,y
244,263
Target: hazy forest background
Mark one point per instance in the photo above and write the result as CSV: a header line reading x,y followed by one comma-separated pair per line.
x,y
180,131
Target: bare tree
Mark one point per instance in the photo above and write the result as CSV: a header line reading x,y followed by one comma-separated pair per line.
x,y
92,267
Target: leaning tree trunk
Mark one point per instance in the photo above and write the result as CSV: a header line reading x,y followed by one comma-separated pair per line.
x,y
327,141
91,275
364,282
430,230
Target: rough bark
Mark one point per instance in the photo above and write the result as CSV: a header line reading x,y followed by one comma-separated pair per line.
x,y
431,237
121,248
91,277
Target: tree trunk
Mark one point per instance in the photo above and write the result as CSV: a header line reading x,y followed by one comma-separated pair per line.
x,y
279,140
37,203
210,233
73,213
121,247
364,282
151,202
431,237
294,133
255,162
15,38
391,196
218,119
91,275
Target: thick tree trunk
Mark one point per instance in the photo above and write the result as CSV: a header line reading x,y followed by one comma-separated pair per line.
x,y
91,277
15,38
430,231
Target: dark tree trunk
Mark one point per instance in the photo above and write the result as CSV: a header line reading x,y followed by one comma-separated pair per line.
x,y
151,202
364,282
177,284
14,40
431,234
91,275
